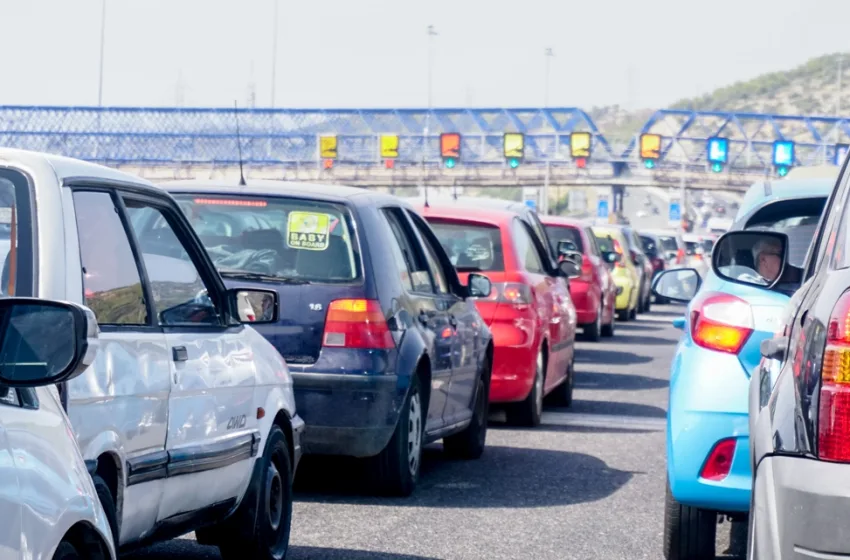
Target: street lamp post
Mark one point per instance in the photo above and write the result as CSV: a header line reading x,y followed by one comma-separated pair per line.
x,y
549,55
274,50
102,40
431,34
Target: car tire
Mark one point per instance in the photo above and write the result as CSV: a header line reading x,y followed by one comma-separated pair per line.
x,y
608,330
647,306
267,537
623,315
398,465
470,443
593,330
66,551
562,396
107,501
633,314
689,532
529,412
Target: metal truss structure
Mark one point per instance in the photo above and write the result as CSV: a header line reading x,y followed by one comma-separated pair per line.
x,y
288,139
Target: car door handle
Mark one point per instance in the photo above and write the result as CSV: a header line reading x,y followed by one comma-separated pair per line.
x,y
179,354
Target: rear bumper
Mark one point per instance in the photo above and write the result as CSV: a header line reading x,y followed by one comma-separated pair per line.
x,y
347,414
625,291
586,305
801,509
514,357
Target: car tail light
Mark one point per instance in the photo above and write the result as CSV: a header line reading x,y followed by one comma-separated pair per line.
x,y
512,293
357,323
586,270
834,409
721,322
680,256
619,250
657,263
719,462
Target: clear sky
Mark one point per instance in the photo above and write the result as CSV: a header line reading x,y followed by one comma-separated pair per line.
x,y
374,53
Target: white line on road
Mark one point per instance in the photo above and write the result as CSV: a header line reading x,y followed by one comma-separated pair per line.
x,y
603,421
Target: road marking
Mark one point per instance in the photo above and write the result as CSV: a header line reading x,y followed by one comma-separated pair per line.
x,y
604,421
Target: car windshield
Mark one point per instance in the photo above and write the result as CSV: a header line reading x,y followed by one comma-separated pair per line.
x,y
279,237
471,247
649,246
564,233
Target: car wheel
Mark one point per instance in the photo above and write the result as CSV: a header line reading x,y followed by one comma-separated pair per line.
x,y
633,314
689,533
470,443
623,315
267,538
563,393
592,331
66,551
647,306
104,495
529,412
608,330
398,464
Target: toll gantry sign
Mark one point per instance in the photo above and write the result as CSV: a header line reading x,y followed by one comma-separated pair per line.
x,y
389,149
514,148
580,145
450,148
650,149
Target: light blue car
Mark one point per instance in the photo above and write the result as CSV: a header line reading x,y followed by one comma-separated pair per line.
x,y
708,465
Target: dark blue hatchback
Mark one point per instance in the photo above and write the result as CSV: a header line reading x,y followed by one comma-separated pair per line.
x,y
386,348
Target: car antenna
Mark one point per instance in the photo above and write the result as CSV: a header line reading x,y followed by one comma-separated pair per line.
x,y
242,182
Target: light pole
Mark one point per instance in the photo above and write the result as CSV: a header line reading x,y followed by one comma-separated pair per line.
x,y
102,40
431,34
274,50
549,55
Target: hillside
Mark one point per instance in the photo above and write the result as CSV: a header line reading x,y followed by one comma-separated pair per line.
x,y
809,89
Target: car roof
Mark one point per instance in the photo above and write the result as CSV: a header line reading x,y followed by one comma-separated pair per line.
x,y
496,217
474,201
763,192
269,187
563,221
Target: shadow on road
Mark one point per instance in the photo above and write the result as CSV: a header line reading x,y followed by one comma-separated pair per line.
x,y
190,550
605,355
615,408
638,340
315,553
618,381
504,477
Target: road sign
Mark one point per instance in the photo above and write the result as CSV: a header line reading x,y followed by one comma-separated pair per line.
x,y
328,147
602,209
580,145
650,146
718,150
389,146
675,213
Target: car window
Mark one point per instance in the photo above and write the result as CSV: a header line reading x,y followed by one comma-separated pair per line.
x,y
415,263
437,273
180,295
594,248
564,233
798,219
669,244
111,280
605,243
16,235
537,229
527,254
649,246
309,240
471,247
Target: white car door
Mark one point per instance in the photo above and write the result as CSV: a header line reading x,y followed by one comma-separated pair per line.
x,y
212,415
10,495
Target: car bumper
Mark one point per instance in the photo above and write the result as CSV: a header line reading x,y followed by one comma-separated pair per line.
x,y
801,509
347,414
624,294
586,305
298,425
514,359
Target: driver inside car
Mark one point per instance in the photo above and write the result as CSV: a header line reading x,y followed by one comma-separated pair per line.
x,y
767,254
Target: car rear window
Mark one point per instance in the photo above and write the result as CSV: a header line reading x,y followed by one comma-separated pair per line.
x,y
669,243
691,247
649,246
276,236
797,218
605,243
564,233
471,247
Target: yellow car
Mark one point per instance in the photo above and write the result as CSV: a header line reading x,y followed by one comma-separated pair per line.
x,y
611,242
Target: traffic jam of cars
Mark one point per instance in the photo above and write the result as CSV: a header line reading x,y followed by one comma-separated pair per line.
x,y
171,352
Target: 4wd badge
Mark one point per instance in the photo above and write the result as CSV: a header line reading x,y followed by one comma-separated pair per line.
x,y
308,230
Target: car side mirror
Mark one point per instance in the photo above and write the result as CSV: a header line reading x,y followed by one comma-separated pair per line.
x,y
753,258
677,284
479,285
255,307
44,342
569,269
612,257
566,247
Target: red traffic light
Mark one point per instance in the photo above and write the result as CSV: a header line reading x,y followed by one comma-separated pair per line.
x,y
450,145
389,163
329,163
581,162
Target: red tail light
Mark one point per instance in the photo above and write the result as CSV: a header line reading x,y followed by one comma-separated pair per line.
x,y
834,409
619,250
512,293
719,462
357,323
586,270
657,263
680,256
721,322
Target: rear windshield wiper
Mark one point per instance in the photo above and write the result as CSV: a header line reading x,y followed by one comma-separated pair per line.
x,y
245,275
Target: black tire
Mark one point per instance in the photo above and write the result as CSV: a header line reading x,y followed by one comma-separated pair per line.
x,y
647,306
266,536
470,443
66,551
608,330
107,501
633,314
640,302
623,315
529,412
593,330
398,465
562,396
689,533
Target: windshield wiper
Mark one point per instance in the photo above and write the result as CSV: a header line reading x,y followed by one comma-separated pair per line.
x,y
246,275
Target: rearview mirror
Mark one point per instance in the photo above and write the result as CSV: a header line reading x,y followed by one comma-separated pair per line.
x,y
677,284
569,269
44,342
754,258
479,285
566,247
255,307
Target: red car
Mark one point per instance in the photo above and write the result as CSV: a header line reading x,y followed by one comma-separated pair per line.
x,y
529,312
593,293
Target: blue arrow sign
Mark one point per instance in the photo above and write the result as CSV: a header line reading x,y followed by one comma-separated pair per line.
x,y
531,203
675,212
602,209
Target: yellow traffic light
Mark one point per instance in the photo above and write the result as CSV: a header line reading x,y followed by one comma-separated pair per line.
x,y
328,147
650,146
389,146
580,144
514,145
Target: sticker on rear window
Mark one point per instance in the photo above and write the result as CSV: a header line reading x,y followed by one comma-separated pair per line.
x,y
308,230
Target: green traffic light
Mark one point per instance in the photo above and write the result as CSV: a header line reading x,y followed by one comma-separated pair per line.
x,y
782,170
649,164
451,162
514,163
717,167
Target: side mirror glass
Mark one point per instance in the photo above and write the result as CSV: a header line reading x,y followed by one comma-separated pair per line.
x,y
678,284
754,258
566,247
569,269
479,285
255,306
612,257
44,342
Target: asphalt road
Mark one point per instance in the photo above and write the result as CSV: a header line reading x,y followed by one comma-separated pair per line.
x,y
587,484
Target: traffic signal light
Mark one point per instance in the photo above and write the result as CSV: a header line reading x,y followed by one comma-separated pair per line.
x,y
389,149
514,148
580,143
450,148
328,150
718,153
783,156
650,149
